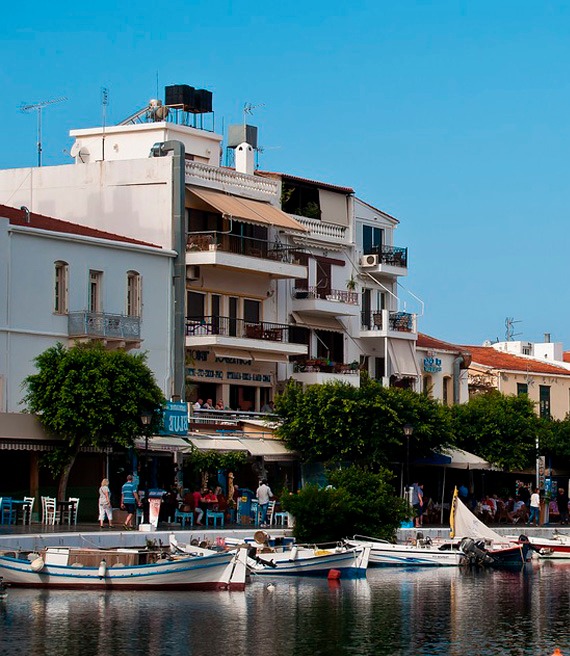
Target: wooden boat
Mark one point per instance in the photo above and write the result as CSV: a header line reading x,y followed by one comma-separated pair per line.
x,y
422,553
480,544
352,562
124,569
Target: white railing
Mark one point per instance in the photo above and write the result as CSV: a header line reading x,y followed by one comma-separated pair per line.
x,y
222,178
321,230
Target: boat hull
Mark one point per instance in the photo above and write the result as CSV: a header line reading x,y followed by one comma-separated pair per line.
x,y
208,573
386,554
352,563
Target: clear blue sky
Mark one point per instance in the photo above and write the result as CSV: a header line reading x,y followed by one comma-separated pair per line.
x,y
452,116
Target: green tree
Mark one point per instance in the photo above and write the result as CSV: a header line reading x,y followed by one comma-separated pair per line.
x,y
341,422
90,397
358,502
501,429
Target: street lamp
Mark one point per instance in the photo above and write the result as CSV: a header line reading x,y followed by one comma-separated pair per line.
x,y
408,430
146,419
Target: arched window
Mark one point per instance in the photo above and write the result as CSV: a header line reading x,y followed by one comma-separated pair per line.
x,y
447,391
60,299
134,294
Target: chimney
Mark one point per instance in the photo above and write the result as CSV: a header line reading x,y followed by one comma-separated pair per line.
x,y
245,158
547,338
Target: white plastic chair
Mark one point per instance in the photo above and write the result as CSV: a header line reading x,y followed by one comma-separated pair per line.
x,y
27,510
69,514
50,514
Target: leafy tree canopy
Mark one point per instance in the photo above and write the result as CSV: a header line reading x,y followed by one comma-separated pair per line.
x,y
341,422
92,397
499,428
358,502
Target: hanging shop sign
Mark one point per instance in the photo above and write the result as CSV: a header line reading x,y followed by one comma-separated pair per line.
x,y
175,418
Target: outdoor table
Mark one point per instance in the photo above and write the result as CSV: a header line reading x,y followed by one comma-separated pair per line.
x,y
23,507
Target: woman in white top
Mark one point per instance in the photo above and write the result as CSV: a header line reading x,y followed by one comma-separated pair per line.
x,y
105,507
534,507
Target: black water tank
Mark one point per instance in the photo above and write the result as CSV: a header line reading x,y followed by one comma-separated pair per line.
x,y
203,101
181,94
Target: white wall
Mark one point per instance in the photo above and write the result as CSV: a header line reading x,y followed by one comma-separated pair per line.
x,y
28,324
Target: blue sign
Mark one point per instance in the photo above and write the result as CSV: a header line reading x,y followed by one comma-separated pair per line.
x,y
175,419
432,365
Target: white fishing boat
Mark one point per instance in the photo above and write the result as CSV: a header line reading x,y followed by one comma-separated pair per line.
x,y
421,553
555,548
351,562
124,569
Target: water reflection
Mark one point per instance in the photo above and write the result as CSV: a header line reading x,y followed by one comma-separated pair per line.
x,y
439,611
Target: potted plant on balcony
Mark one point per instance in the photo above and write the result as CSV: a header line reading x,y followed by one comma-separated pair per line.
x,y
351,283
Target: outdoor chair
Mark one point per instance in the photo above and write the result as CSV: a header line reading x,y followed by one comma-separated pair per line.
x,y
28,509
50,514
7,511
214,515
184,517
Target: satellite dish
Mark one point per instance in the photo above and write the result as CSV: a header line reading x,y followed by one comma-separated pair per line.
x,y
80,152
75,149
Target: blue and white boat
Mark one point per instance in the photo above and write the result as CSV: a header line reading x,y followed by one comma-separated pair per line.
x,y
421,553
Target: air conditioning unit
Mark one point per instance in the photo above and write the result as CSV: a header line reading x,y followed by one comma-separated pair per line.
x,y
369,261
192,272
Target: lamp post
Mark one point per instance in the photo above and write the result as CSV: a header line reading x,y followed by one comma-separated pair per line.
x,y
146,419
408,430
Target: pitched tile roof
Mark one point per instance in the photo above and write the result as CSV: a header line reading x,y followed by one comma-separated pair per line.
x,y
20,217
294,178
425,341
490,357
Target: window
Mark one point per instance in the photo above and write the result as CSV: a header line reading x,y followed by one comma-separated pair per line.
x,y
371,239
427,385
544,401
522,388
447,391
95,283
134,296
60,292
251,311
379,368
195,304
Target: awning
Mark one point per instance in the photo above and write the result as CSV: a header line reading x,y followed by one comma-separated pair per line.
x,y
318,323
251,211
168,443
270,357
455,459
217,444
220,352
403,358
271,450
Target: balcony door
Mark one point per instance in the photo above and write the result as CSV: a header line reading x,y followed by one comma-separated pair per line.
x,y
324,273
216,305
233,315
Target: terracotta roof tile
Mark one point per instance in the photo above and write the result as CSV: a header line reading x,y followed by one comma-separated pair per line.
x,y
41,222
490,357
425,341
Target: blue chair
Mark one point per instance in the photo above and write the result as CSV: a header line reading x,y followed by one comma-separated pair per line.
x,y
184,518
7,511
214,516
254,512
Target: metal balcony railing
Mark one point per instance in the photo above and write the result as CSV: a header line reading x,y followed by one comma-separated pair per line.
x,y
311,365
249,246
392,255
397,321
102,325
339,295
231,327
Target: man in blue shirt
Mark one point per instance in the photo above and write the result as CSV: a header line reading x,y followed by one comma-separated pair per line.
x,y
418,503
129,501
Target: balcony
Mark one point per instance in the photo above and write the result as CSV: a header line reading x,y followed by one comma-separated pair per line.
x,y
323,233
318,371
387,323
334,302
385,260
114,329
244,253
256,337
228,180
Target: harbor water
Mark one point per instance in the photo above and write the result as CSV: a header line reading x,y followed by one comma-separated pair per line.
x,y
393,611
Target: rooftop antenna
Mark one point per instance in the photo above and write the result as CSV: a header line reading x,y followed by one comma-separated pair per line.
x,y
38,108
104,103
248,110
510,329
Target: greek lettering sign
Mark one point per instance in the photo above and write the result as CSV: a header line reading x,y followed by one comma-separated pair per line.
x,y
432,365
175,419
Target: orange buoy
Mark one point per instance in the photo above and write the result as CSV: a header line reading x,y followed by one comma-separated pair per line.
x,y
557,652
334,574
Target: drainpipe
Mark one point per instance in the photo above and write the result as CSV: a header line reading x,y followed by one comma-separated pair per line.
x,y
462,361
179,245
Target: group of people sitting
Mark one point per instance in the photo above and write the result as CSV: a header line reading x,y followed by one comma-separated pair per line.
x,y
201,500
522,508
200,404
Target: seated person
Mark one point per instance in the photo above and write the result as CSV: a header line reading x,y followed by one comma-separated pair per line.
x,y
220,405
222,501
211,500
520,511
197,500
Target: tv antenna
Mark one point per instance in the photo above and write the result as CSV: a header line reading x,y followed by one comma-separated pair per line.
x,y
248,110
510,329
104,104
38,107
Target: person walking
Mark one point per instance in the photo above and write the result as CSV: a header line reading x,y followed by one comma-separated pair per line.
x,y
418,503
534,507
263,495
105,506
130,500
562,503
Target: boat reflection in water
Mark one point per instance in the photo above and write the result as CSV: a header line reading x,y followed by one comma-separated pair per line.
x,y
428,611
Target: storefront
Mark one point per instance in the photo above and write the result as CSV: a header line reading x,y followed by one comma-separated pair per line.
x,y
240,379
